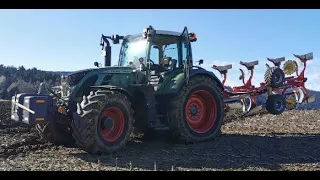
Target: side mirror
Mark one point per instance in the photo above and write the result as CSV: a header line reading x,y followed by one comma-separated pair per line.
x,y
200,62
96,64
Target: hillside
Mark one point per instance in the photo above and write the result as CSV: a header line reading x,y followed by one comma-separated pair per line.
x,y
19,79
63,73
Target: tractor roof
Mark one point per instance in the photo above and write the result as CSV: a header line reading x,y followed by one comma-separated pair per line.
x,y
161,32
171,33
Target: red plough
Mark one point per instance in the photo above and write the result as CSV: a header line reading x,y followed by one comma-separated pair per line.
x,y
292,87
245,93
282,92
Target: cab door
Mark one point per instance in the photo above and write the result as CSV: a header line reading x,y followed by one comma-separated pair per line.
x,y
185,53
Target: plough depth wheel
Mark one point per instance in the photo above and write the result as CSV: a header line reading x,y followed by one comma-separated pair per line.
x,y
275,104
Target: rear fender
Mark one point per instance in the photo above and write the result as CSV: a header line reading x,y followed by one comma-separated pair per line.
x,y
180,80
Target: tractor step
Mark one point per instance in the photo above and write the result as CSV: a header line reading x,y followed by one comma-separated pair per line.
x,y
161,128
157,125
153,116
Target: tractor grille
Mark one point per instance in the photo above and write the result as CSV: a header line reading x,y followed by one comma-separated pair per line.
x,y
71,80
74,79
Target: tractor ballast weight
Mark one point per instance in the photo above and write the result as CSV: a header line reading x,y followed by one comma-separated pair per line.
x,y
150,88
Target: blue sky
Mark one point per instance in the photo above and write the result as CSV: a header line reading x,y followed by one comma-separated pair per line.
x,y
64,40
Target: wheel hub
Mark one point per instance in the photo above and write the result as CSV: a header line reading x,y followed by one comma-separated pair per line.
x,y
291,101
278,78
193,110
200,111
279,105
108,123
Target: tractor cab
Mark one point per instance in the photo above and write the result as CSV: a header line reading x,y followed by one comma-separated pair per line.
x,y
153,52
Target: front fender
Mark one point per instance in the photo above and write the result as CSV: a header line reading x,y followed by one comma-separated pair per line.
x,y
115,88
176,83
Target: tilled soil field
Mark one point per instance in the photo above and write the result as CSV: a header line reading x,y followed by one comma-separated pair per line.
x,y
290,141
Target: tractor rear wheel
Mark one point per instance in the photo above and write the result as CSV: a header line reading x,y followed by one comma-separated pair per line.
x,y
103,122
274,77
276,104
55,133
196,112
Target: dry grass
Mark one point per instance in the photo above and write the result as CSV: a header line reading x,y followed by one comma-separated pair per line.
x,y
289,141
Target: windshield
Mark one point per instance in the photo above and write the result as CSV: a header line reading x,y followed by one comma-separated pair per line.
x,y
132,50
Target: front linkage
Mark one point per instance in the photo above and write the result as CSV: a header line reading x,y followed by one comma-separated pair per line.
x,y
49,113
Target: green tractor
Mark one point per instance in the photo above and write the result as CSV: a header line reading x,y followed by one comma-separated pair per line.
x,y
155,86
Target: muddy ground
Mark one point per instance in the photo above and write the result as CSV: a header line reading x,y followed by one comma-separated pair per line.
x,y
290,141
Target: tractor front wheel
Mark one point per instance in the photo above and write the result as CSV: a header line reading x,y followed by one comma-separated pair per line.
x,y
196,112
103,122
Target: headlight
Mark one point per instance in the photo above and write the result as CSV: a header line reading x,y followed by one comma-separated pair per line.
x,y
103,53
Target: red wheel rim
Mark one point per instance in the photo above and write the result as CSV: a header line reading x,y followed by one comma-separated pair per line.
x,y
201,111
115,116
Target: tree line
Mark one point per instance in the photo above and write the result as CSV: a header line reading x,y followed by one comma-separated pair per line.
x,y
21,80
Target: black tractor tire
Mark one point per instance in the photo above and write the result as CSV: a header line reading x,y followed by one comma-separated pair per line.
x,y
204,92
276,104
57,134
274,77
89,123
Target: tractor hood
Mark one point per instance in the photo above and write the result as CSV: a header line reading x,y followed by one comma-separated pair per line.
x,y
114,69
75,77
77,83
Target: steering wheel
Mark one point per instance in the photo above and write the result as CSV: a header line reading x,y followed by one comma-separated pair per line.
x,y
152,63
157,67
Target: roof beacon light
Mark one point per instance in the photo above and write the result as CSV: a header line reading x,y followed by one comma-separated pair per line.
x,y
192,37
144,33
